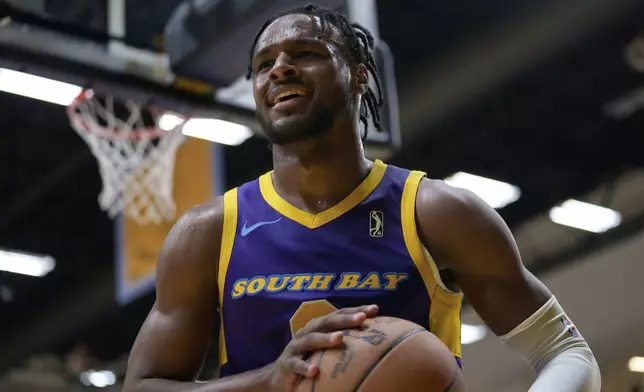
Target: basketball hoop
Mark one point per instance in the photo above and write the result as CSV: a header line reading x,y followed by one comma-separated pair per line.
x,y
135,156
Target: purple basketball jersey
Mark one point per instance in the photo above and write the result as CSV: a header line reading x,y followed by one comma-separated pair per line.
x,y
281,266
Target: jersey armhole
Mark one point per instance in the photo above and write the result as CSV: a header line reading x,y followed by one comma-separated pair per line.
x,y
445,307
228,232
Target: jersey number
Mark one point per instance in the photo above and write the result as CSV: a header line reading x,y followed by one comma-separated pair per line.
x,y
308,311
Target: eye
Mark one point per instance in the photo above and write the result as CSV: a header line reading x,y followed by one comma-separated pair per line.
x,y
265,65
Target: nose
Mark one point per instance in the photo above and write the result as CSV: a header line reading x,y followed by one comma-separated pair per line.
x,y
283,68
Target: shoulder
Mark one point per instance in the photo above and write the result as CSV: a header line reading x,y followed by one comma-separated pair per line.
x,y
460,228
192,245
200,223
439,198
203,218
442,209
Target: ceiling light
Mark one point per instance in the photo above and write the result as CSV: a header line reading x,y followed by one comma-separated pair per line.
x,y
37,87
472,333
585,216
170,121
218,131
214,130
636,364
99,379
26,264
495,193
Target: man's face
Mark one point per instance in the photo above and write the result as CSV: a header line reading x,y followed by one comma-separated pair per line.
x,y
302,83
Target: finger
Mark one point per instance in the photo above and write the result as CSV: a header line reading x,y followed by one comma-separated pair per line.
x,y
341,319
368,310
315,341
296,365
331,323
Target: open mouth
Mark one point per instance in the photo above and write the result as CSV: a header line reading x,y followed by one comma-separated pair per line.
x,y
289,94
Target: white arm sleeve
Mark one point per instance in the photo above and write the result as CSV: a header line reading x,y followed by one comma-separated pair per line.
x,y
549,341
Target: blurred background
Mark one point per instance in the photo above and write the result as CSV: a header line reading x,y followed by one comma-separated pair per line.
x,y
534,105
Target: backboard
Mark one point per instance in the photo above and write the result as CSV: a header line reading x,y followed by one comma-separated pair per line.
x,y
116,47
109,46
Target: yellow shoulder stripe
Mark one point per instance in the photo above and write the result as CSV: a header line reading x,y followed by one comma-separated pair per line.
x,y
227,241
445,307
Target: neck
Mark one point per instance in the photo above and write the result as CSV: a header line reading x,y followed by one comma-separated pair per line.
x,y
316,174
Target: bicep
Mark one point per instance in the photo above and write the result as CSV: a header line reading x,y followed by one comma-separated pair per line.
x,y
171,344
503,302
473,241
176,335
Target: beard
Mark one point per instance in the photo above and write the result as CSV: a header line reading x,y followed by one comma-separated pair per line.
x,y
297,128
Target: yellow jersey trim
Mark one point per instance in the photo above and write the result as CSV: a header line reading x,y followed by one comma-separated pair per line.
x,y
445,307
227,241
313,221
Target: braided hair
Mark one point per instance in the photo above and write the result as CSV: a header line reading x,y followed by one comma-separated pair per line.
x,y
359,45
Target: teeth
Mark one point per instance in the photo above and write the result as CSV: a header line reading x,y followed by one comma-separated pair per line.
x,y
295,91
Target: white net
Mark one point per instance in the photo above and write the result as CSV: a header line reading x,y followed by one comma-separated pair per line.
x,y
135,156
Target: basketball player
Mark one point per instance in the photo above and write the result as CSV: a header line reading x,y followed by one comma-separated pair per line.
x,y
329,238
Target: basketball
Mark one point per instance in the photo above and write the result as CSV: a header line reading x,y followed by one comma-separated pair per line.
x,y
386,354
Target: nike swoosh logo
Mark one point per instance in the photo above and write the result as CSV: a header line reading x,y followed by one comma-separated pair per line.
x,y
246,230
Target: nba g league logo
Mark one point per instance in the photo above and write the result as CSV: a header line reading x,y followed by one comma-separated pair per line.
x,y
376,223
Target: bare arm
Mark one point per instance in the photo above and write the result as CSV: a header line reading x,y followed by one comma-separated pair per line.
x,y
169,352
474,243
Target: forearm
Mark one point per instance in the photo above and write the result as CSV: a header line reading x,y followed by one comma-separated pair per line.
x,y
254,381
551,344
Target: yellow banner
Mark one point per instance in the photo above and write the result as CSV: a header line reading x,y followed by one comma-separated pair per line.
x,y
138,246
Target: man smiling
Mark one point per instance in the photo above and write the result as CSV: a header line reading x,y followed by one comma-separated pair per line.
x,y
330,238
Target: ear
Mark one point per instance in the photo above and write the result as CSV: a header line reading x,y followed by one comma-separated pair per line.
x,y
360,80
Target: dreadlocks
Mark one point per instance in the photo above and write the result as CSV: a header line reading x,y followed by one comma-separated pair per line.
x,y
359,44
